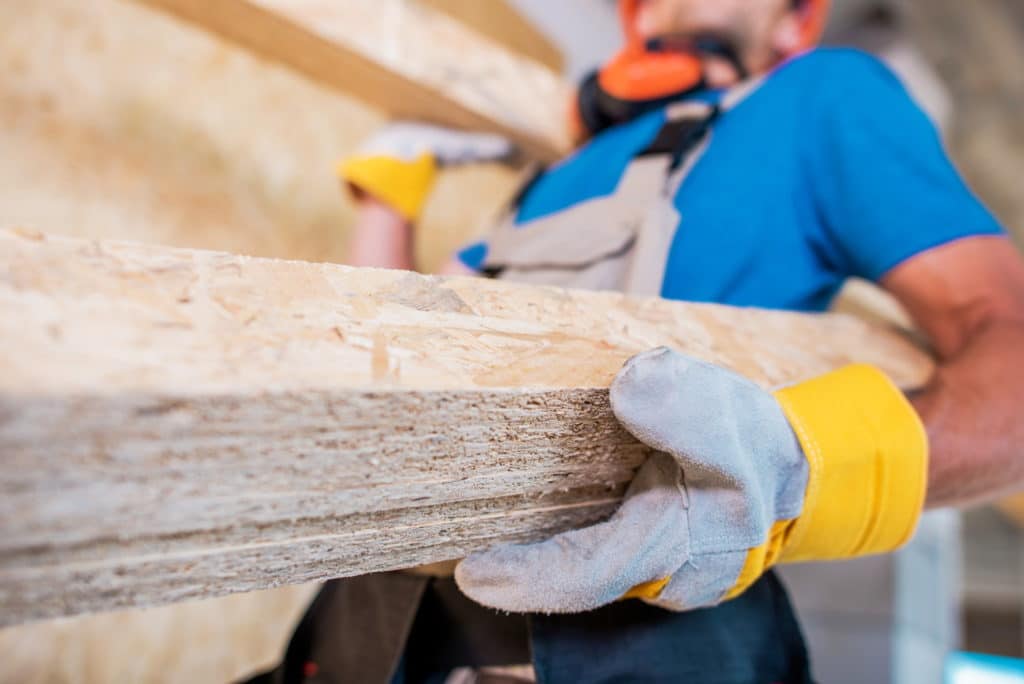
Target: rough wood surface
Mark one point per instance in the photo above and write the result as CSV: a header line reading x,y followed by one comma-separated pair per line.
x,y
179,424
410,60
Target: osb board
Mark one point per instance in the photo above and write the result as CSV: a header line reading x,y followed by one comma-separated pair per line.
x,y
116,121
182,424
109,318
403,57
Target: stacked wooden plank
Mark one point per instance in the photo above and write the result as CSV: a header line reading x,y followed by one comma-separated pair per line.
x,y
178,423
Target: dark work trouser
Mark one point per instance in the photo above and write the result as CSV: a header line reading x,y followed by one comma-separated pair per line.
x,y
406,629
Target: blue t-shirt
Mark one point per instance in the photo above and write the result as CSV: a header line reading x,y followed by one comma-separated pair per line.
x,y
828,170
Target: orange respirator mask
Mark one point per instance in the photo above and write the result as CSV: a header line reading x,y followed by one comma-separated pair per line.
x,y
649,73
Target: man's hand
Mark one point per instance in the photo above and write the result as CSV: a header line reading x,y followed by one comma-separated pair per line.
x,y
831,468
398,165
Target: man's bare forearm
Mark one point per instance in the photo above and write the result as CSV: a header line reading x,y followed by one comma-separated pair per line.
x,y
972,411
382,238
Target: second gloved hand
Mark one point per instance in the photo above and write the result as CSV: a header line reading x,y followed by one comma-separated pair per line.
x,y
831,468
399,164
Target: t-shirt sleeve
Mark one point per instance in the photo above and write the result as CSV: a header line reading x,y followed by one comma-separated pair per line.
x,y
882,184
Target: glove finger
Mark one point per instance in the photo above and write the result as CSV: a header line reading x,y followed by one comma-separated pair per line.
x,y
742,461
404,140
678,404
701,583
714,421
645,540
408,141
466,148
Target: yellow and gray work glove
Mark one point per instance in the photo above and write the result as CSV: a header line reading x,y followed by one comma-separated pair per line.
x,y
743,479
399,164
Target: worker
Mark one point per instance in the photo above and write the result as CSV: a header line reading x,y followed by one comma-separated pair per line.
x,y
722,159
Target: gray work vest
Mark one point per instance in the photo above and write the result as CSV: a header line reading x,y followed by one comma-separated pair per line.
x,y
617,242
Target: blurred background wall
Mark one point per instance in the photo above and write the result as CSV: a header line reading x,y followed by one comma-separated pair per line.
x,y
116,122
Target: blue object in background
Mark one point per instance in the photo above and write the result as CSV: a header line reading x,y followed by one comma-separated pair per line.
x,y
975,668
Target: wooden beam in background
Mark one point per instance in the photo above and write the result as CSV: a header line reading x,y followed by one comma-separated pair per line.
x,y
407,59
178,424
505,24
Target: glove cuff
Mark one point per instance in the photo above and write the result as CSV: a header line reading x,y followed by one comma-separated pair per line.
x,y
403,185
868,456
